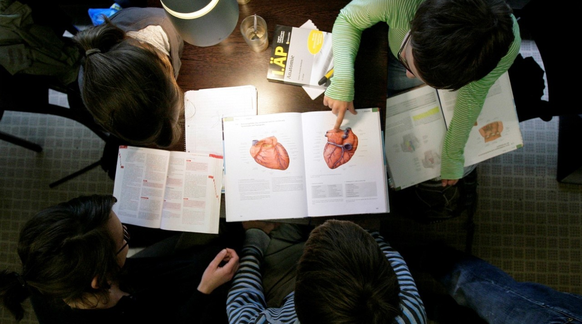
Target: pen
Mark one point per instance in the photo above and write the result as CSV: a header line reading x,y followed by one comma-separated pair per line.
x,y
326,77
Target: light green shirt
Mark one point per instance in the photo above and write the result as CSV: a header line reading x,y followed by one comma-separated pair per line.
x,y
359,15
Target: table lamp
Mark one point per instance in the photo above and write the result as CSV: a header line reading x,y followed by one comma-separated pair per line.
x,y
202,22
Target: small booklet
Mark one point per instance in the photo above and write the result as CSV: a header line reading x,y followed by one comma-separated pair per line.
x,y
170,190
291,165
416,123
301,56
204,110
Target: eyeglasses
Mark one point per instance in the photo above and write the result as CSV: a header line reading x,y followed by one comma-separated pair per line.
x,y
126,238
400,58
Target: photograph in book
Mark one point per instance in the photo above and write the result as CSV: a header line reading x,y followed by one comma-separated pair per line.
x,y
291,165
416,123
170,190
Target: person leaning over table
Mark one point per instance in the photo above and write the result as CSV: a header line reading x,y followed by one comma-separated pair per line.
x,y
75,269
127,78
462,45
345,274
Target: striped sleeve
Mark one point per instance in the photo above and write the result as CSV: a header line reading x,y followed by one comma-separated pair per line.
x,y
470,100
346,33
352,20
411,305
246,301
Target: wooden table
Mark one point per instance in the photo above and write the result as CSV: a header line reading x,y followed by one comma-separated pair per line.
x,y
233,63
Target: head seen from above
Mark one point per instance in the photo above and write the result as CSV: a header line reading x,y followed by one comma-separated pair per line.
x,y
455,42
129,87
71,253
343,277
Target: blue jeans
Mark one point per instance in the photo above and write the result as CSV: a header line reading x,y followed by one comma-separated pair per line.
x,y
498,298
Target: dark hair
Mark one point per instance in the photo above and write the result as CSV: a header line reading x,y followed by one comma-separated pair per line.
x,y
343,277
62,248
129,87
455,42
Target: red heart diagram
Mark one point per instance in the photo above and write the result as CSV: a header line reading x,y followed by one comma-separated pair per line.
x,y
270,153
340,147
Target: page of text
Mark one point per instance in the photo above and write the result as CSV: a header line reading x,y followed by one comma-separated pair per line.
x,y
264,167
345,172
192,198
139,185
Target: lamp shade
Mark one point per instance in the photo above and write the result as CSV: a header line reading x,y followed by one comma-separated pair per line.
x,y
202,22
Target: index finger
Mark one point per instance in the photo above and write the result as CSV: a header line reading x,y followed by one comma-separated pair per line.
x,y
340,119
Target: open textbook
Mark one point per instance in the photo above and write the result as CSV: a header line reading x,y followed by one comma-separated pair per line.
x,y
290,165
416,123
204,110
168,189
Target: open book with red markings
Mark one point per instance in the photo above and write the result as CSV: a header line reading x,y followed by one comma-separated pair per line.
x,y
170,190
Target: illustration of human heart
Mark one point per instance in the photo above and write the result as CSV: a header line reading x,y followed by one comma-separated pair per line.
x,y
340,147
270,153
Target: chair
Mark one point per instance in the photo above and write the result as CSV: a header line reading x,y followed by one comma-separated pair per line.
x,y
562,95
30,92
527,76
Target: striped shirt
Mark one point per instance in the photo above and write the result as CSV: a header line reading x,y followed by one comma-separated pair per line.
x,y
359,15
246,301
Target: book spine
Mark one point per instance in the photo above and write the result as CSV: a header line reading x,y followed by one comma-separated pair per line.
x,y
280,49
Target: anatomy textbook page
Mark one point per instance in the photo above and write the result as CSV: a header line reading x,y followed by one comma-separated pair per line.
x,y
497,129
292,165
168,190
414,135
264,169
345,172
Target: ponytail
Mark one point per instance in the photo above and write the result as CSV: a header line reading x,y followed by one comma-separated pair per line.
x,y
13,291
129,87
99,39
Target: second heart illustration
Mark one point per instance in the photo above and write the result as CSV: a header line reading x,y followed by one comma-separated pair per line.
x,y
340,147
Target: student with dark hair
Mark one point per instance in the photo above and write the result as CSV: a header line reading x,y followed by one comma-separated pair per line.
x,y
128,76
75,269
344,275
462,45
341,252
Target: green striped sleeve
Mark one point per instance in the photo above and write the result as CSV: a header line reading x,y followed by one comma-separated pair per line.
x,y
469,104
357,16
